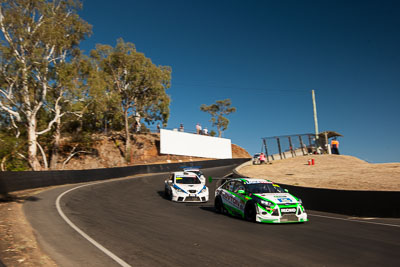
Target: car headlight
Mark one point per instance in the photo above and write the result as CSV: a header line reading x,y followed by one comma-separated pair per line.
x,y
203,190
179,190
266,203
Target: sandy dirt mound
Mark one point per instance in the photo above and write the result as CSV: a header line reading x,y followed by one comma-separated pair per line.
x,y
329,171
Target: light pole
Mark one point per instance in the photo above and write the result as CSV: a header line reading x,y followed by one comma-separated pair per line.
x,y
315,119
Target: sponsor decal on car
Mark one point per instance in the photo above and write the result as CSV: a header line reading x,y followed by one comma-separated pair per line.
x,y
289,210
285,199
233,200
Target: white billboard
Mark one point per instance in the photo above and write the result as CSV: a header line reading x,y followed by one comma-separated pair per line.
x,y
196,145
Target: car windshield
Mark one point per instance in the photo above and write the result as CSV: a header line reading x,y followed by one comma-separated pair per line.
x,y
264,188
187,180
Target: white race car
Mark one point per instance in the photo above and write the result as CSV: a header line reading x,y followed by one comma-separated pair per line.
x,y
185,187
198,172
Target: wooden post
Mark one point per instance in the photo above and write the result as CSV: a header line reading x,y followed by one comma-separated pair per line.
x,y
309,142
328,148
279,147
302,145
291,147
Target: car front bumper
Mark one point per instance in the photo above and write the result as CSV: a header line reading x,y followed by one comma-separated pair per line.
x,y
182,197
265,217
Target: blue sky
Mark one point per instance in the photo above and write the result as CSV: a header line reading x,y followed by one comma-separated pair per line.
x,y
267,56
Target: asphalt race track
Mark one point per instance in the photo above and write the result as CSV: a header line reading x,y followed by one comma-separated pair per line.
x,y
132,219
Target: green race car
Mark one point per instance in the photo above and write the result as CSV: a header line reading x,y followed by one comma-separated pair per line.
x,y
258,200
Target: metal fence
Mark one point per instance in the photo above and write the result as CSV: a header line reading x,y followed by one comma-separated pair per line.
x,y
288,146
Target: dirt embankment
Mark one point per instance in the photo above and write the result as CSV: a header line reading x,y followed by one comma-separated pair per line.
x,y
145,150
18,245
329,171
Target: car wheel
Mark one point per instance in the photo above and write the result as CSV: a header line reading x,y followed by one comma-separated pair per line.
x,y
167,194
250,212
219,207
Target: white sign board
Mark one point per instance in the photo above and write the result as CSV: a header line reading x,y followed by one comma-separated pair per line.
x,y
196,145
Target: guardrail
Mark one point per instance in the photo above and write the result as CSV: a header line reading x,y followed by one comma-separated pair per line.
x,y
348,202
14,181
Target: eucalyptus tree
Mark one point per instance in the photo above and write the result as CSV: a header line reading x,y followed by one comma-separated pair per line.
x,y
38,39
72,88
140,85
217,112
103,103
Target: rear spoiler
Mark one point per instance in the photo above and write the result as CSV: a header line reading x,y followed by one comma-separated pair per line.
x,y
225,178
190,167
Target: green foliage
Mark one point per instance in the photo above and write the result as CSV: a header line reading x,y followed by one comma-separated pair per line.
x,y
217,112
38,74
139,84
48,89
9,157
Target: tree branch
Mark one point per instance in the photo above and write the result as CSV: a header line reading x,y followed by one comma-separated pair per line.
x,y
56,117
72,155
15,126
43,156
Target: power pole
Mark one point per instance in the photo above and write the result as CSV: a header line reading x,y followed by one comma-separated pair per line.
x,y
315,118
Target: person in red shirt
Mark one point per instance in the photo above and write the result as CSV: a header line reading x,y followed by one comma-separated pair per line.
x,y
262,158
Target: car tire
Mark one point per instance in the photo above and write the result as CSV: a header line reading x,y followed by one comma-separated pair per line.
x,y
218,205
167,194
250,212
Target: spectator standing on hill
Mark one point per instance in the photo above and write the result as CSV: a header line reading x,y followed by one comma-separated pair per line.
x,y
335,146
198,128
158,127
205,131
262,158
181,129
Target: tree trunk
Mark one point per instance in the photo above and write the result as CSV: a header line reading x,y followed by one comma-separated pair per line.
x,y
32,146
127,136
56,146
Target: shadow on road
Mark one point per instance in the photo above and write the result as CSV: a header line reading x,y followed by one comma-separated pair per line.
x,y
162,194
18,199
208,208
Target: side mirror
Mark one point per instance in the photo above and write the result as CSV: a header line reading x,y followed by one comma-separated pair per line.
x,y
169,182
241,192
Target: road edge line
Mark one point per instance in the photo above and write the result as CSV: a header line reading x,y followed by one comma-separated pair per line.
x,y
344,219
82,233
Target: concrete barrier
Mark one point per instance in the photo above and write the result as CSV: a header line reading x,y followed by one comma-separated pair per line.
x,y
14,181
348,202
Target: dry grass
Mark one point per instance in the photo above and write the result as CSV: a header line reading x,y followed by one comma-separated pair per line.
x,y
18,245
330,171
